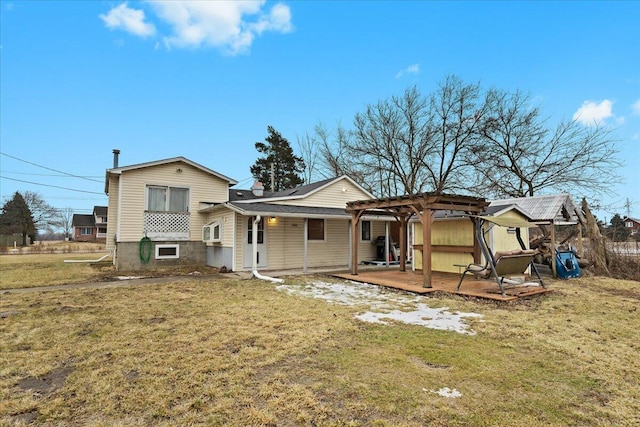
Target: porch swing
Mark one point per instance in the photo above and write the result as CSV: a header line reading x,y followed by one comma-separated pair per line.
x,y
500,266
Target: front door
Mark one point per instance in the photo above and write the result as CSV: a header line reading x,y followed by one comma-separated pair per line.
x,y
248,243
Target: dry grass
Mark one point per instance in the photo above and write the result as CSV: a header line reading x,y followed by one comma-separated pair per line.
x,y
221,351
27,271
54,246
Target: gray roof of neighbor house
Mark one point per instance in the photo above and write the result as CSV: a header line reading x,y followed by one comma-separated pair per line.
x,y
558,208
80,220
100,210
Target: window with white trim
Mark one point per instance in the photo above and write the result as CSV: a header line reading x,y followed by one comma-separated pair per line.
x,y
167,251
315,229
86,231
365,231
167,199
212,232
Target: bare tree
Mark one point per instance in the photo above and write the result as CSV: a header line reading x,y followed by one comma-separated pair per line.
x,y
410,143
335,158
309,152
459,110
522,156
43,213
64,221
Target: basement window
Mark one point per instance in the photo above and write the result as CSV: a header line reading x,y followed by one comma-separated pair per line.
x,y
167,251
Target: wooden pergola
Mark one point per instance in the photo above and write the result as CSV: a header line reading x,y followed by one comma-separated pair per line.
x,y
424,206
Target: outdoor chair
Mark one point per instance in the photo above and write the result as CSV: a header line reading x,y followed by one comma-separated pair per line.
x,y
503,265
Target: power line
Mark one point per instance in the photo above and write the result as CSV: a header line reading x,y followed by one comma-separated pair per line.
x,y
48,185
48,174
47,168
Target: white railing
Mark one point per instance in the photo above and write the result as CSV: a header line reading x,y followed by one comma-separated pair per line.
x,y
167,225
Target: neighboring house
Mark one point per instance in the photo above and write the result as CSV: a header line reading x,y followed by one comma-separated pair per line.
x,y
92,227
632,225
192,216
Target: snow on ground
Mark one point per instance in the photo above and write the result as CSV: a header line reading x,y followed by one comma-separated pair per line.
x,y
446,392
384,304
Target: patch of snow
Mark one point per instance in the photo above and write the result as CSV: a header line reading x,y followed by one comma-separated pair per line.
x,y
384,304
129,277
446,392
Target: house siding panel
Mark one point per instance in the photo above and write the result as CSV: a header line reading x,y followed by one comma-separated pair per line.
x,y
455,232
112,219
203,188
331,196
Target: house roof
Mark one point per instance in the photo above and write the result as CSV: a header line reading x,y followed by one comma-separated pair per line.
x,y
270,209
628,218
292,193
100,210
495,209
180,159
558,208
80,220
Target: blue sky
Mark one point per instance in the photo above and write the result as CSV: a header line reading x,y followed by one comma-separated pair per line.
x,y
204,79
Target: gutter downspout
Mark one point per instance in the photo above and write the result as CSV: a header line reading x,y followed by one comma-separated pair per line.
x,y
254,246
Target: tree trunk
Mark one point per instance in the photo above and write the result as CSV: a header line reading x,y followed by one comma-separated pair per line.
x,y
599,251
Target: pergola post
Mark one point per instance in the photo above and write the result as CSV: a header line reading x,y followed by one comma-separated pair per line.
x,y
355,217
426,218
403,242
554,267
477,252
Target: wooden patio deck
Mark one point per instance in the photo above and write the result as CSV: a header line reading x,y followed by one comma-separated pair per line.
x,y
411,281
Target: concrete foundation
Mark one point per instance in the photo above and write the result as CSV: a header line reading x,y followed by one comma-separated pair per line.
x,y
128,255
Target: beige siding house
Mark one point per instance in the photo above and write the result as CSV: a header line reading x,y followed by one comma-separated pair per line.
x,y
301,228
175,211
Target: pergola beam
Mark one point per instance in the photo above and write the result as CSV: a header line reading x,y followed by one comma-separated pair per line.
x,y
424,206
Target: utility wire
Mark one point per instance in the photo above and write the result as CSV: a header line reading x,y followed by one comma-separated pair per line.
x,y
54,170
47,185
47,174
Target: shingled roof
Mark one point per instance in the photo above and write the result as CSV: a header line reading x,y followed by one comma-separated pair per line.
x,y
558,208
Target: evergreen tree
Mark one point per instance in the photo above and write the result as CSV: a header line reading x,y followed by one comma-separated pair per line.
x,y
16,218
287,167
617,230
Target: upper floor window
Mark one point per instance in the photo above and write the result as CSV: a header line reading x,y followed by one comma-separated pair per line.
x,y
167,199
86,231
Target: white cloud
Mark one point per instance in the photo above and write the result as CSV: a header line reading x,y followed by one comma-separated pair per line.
x,y
221,24
130,20
635,108
592,113
411,69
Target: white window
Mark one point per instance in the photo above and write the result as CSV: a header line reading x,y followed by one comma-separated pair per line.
x,y
365,228
167,251
84,231
629,224
212,232
167,199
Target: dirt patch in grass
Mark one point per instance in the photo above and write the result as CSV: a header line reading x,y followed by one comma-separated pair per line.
x,y
47,383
